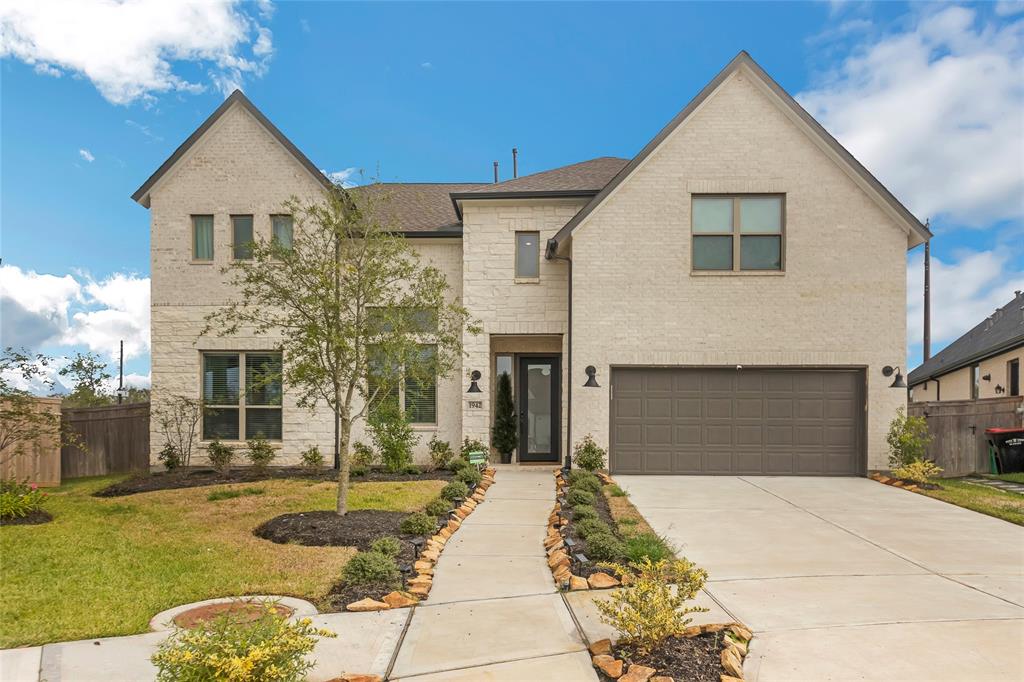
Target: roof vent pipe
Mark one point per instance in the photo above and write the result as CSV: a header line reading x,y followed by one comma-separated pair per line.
x,y
495,172
515,162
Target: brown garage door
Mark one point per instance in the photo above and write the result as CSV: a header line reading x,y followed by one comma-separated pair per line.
x,y
728,421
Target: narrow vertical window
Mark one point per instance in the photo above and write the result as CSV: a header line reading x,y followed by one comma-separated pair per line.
x,y
241,231
420,397
221,396
527,254
975,381
1013,377
281,226
202,237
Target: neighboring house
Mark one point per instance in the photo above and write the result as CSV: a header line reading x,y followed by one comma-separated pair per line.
x,y
983,363
723,302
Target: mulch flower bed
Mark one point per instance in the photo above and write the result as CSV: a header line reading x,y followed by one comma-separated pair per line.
x,y
197,477
567,571
906,484
708,653
33,518
239,611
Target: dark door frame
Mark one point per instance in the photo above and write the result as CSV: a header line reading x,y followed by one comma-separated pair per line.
x,y
555,360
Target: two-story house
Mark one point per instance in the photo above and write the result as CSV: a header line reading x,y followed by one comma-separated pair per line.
x,y
724,302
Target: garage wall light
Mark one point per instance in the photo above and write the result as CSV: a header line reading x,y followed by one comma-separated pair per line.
x,y
473,378
898,382
591,377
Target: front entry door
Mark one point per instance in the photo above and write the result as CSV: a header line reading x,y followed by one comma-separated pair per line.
x,y
540,408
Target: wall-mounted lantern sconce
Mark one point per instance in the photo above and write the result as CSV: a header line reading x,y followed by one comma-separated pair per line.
x,y
898,382
1000,389
473,378
987,377
591,377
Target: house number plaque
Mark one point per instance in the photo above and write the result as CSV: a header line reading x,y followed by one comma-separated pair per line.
x,y
476,404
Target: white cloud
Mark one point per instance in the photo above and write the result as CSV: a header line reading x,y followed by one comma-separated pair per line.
x,y
426,65
1005,8
342,177
128,48
304,25
87,155
40,309
144,129
964,292
935,113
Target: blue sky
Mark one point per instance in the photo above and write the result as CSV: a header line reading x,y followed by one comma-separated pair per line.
x,y
929,97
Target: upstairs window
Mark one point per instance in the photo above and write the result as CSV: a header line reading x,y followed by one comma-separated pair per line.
x,y
975,382
1013,377
202,237
527,255
737,232
281,230
241,232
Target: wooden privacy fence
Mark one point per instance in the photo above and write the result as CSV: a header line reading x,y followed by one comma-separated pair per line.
x,y
958,428
116,440
38,462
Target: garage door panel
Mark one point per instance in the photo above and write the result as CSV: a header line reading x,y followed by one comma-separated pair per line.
x,y
724,421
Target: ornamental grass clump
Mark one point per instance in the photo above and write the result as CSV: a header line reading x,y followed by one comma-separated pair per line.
x,y
642,546
646,612
18,500
269,649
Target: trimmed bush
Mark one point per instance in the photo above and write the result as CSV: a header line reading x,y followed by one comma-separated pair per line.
x,y
583,512
919,471
387,545
468,475
575,496
647,546
604,547
363,455
393,436
441,453
260,453
469,446
312,459
358,470
270,648
908,439
590,483
455,489
418,523
458,464
438,507
371,567
588,527
220,456
577,474
588,454
170,457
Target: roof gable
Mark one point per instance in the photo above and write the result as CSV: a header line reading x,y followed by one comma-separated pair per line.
x,y
917,232
141,195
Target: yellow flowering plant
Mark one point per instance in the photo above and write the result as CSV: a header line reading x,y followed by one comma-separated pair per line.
x,y
269,649
919,471
647,610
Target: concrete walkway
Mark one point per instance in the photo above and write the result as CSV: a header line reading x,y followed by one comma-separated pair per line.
x,y
494,612
848,579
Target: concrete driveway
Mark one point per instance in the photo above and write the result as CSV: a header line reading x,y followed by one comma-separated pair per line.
x,y
848,579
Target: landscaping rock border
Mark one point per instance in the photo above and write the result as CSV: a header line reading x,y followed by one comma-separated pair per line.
x,y
418,586
736,644
912,486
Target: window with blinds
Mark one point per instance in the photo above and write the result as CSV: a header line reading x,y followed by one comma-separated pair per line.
x,y
242,395
417,395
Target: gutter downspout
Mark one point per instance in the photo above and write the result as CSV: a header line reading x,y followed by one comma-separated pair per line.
x,y
549,253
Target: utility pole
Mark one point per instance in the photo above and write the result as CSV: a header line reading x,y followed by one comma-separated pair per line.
x,y
120,378
926,351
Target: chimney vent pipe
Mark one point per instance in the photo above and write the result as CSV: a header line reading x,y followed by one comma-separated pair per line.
x,y
515,162
495,172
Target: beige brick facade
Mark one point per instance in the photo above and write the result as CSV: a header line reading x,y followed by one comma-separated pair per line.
x,y
956,385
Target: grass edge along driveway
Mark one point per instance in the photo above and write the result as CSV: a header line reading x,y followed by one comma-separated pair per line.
x,y
980,498
105,566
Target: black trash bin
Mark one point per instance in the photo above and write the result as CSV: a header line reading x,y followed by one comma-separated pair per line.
x,y
1008,445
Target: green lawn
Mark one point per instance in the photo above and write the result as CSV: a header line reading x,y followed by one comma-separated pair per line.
x,y
980,498
105,566
1013,478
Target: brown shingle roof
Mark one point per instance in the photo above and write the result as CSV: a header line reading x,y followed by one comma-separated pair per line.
x,y
585,176
419,207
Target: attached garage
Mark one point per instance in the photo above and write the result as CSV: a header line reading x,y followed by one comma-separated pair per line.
x,y
797,422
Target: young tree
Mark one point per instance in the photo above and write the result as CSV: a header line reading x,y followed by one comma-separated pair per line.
x,y
90,375
353,306
506,429
177,420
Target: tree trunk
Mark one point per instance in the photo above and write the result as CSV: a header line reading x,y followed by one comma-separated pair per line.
x,y
346,433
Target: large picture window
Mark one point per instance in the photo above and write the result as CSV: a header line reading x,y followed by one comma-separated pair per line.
x,y
242,396
417,395
738,232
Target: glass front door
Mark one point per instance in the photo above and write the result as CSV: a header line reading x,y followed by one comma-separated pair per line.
x,y
540,413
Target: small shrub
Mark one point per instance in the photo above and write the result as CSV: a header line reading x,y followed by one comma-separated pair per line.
x,y
270,648
919,471
583,512
387,545
231,494
454,490
260,453
908,439
313,459
371,567
577,474
363,455
441,453
418,523
590,483
588,527
220,456
393,436
646,546
474,445
411,470
458,464
468,475
18,500
605,547
576,496
438,507
588,455
646,612
616,491
358,470
170,457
